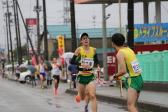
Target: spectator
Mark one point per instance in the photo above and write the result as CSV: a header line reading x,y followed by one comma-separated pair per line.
x,y
73,72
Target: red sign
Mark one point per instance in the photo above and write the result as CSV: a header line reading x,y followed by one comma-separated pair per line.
x,y
31,21
112,63
39,58
142,49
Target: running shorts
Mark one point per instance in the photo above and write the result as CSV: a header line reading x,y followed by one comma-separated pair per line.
x,y
134,82
85,79
43,74
57,77
18,75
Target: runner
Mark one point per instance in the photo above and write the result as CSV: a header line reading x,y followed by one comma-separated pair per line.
x,y
17,71
42,67
130,68
56,68
85,57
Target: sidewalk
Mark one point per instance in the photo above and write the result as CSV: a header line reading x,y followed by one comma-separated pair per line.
x,y
151,101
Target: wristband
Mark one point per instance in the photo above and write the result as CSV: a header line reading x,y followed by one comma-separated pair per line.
x,y
114,76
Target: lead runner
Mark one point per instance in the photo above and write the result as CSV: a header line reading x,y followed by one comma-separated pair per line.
x,y
85,57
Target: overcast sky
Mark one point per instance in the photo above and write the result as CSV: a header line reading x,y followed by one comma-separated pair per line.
x,y
84,15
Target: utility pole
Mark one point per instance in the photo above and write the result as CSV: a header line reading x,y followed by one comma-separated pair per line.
x,y
19,39
73,26
38,9
45,30
130,39
6,15
104,42
16,30
26,29
10,36
119,1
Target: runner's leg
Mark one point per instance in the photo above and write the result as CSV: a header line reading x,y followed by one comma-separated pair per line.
x,y
55,83
87,98
81,91
92,92
132,96
41,80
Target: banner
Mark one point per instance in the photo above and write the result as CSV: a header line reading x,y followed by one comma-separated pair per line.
x,y
61,45
150,32
142,49
33,61
32,30
39,58
112,63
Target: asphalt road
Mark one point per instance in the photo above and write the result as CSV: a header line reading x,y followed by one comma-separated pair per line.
x,y
16,97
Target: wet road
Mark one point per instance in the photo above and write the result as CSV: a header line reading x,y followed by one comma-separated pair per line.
x,y
16,97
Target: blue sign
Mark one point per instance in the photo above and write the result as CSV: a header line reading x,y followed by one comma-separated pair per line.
x,y
2,50
150,32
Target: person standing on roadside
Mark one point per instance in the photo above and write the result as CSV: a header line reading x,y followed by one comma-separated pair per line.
x,y
17,72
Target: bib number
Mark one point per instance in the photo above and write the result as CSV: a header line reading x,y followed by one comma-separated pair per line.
x,y
88,61
136,67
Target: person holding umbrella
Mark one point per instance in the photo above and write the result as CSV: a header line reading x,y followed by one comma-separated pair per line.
x,y
33,70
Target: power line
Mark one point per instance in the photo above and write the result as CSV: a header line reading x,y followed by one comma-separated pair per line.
x,y
164,7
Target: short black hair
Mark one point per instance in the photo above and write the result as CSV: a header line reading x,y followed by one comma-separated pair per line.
x,y
118,39
83,34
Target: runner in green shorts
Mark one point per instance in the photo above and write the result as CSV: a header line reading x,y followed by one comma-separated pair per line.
x,y
85,57
130,69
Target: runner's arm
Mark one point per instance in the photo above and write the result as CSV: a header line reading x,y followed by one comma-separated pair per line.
x,y
73,60
96,61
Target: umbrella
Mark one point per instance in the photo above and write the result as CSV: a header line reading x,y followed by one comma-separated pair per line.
x,y
31,68
48,65
67,55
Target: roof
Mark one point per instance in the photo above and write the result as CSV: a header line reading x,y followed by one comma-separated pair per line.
x,y
65,30
100,50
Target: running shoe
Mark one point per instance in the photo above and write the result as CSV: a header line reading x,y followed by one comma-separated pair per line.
x,y
86,108
55,92
77,99
42,88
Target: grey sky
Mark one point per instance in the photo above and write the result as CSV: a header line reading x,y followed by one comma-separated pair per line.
x,y
84,15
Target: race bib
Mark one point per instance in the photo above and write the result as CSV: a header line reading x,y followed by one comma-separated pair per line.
x,y
88,61
136,67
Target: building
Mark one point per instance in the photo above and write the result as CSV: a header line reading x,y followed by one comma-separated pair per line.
x,y
95,35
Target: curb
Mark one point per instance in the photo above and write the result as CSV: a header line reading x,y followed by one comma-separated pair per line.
x,y
150,106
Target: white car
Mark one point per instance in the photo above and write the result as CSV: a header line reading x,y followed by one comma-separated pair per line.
x,y
25,75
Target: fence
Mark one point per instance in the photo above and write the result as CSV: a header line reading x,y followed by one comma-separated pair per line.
x,y
154,66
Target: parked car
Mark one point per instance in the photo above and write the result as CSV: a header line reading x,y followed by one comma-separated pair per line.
x,y
25,75
9,67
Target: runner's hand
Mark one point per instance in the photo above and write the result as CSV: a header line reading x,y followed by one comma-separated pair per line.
x,y
111,79
87,66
